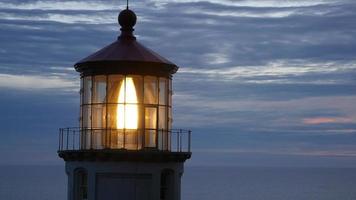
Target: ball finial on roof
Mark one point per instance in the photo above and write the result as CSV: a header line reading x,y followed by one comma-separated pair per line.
x,y
127,20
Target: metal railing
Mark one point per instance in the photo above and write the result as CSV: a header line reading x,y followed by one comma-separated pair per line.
x,y
174,140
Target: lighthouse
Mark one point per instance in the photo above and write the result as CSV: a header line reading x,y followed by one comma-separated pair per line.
x,y
125,147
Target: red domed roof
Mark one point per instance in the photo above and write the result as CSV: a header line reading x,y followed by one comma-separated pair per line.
x,y
126,55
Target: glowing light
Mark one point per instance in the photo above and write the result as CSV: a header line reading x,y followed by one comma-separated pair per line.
x,y
127,110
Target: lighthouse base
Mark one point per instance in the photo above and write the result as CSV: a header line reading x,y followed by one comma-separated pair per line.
x,y
95,180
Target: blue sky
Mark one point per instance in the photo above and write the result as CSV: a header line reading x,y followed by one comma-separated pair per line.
x,y
260,82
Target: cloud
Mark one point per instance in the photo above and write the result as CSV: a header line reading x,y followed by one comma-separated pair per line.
x,y
326,120
62,18
252,14
37,82
254,3
60,5
278,71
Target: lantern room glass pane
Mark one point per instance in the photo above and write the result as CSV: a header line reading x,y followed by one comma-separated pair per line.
x,y
137,81
81,116
111,116
98,138
86,116
150,118
170,120
116,138
150,126
162,128
151,90
114,83
131,139
87,90
99,89
99,116
163,91
162,118
150,138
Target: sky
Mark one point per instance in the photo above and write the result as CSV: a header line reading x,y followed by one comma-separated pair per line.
x,y
261,83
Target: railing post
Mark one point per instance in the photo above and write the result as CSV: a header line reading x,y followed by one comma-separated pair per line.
x,y
177,141
124,139
189,139
180,138
62,137
162,139
84,139
155,138
110,133
59,140
67,138
79,139
91,138
170,139
73,139
137,135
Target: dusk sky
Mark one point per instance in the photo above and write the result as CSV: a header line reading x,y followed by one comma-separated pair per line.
x,y
268,83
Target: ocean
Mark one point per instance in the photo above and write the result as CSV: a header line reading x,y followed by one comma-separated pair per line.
x,y
208,183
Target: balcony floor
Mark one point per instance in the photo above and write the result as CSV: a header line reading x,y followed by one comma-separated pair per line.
x,y
121,155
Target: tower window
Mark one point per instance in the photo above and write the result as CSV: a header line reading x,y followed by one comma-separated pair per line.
x,y
81,184
166,184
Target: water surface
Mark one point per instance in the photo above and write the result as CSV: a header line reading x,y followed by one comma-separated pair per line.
x,y
208,183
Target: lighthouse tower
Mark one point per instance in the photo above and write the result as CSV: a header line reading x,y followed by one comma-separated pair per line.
x,y
125,147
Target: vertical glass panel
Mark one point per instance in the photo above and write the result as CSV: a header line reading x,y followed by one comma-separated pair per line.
x,y
98,138
170,120
150,126
99,89
162,118
131,139
116,138
111,116
163,139
127,110
86,128
140,134
150,138
137,80
87,90
163,91
83,139
151,90
162,127
81,116
86,116
127,116
115,120
98,116
114,83
150,117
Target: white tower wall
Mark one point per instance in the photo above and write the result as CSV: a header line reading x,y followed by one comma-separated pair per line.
x,y
125,180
